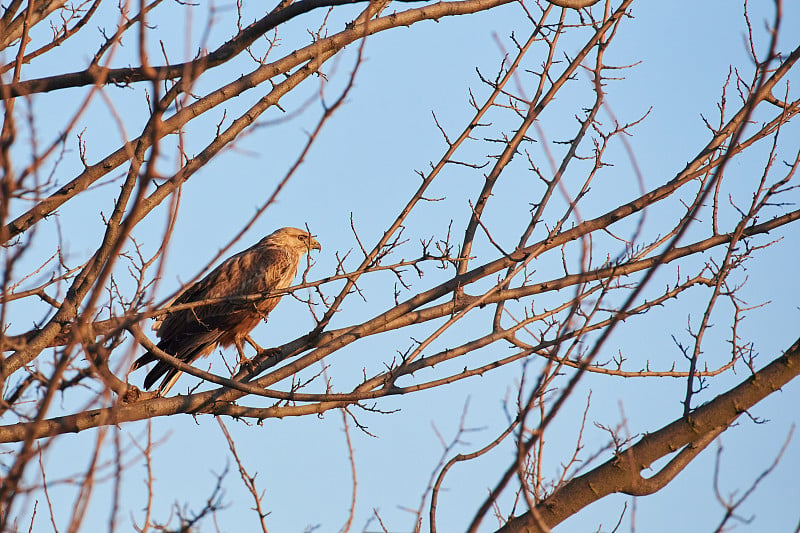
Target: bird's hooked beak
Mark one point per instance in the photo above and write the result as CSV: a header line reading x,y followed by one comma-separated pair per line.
x,y
314,244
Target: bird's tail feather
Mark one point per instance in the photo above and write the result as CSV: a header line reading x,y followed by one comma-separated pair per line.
x,y
187,350
143,360
165,369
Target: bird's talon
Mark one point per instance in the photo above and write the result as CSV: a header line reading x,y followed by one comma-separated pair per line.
x,y
246,363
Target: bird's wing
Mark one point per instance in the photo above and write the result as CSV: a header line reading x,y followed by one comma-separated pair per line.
x,y
254,271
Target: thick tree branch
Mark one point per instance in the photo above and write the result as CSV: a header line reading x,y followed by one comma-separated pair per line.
x,y
623,472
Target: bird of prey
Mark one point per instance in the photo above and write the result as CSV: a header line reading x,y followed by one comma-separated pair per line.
x,y
189,334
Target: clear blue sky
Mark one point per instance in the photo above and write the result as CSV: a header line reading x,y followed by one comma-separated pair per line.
x,y
363,163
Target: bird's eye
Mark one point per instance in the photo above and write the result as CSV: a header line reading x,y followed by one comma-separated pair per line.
x,y
302,237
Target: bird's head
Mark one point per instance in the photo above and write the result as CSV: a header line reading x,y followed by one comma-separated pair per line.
x,y
298,239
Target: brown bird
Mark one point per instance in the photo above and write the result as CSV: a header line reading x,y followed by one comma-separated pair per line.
x,y
189,334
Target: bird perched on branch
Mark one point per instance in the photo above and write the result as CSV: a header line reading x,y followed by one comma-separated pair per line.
x,y
243,283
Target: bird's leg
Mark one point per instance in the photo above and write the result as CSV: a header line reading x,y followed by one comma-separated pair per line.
x,y
244,361
263,352
253,343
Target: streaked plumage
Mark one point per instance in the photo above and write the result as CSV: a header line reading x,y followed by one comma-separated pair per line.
x,y
189,334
